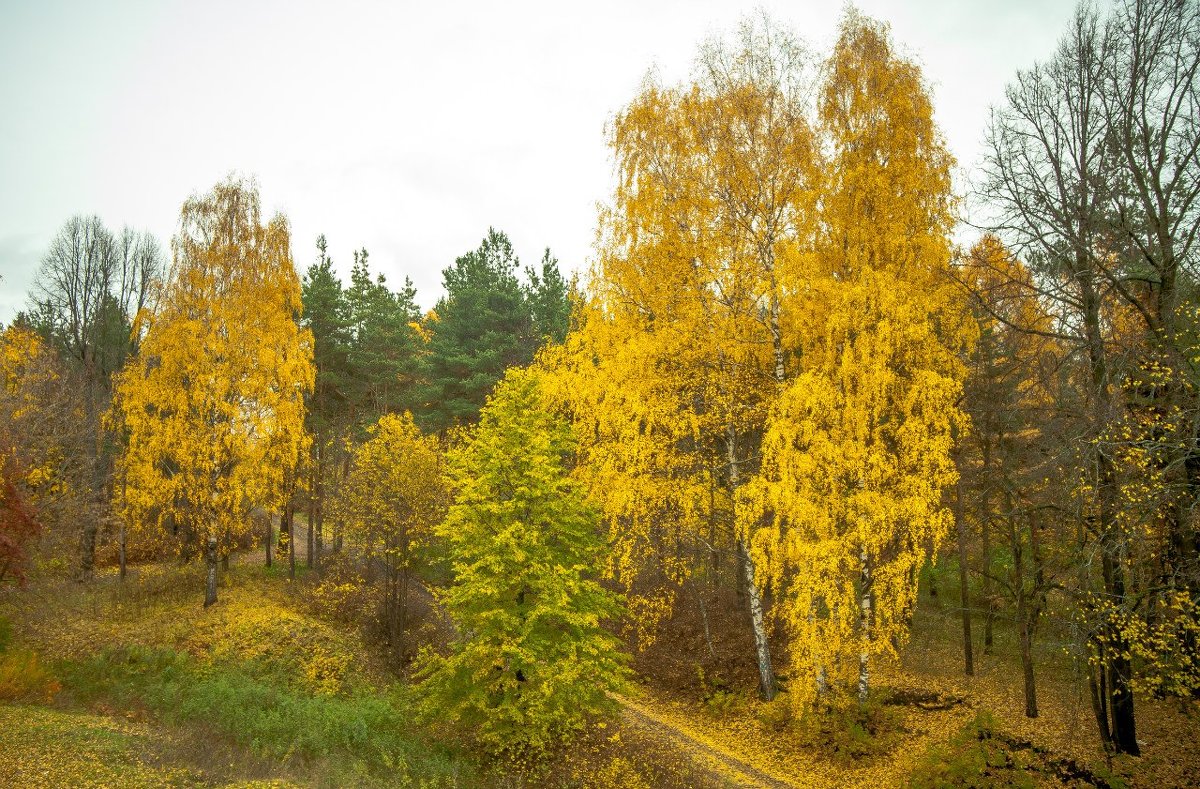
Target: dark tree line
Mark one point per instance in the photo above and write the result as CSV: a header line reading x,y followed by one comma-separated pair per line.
x,y
1084,471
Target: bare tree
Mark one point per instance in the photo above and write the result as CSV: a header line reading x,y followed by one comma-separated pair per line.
x,y
87,296
1047,187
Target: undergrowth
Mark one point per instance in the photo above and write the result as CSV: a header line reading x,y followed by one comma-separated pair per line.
x,y
23,677
362,733
850,731
979,757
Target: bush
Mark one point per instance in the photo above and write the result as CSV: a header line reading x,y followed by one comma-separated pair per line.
x,y
24,678
851,731
972,759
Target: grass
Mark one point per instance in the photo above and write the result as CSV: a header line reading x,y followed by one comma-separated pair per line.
x,y
268,685
256,686
362,734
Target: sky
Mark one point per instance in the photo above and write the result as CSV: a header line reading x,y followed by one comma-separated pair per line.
x,y
407,128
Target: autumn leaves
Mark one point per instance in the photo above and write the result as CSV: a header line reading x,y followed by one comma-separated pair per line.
x,y
212,408
768,364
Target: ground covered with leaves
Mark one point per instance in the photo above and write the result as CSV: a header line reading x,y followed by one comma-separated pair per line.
x,y
136,684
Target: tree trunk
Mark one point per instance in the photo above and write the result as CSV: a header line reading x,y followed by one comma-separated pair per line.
x,y
1098,695
818,660
312,517
1024,632
1026,636
1119,668
121,555
210,588
270,538
964,594
87,550
319,539
289,514
864,624
766,676
712,653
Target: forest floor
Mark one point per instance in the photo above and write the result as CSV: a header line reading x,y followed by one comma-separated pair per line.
x,y
142,686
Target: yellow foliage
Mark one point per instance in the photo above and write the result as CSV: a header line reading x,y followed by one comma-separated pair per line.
x,y
680,346
757,365
213,406
858,448
395,493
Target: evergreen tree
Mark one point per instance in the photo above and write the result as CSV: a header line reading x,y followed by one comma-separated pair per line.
x,y
331,411
548,295
532,662
386,352
482,327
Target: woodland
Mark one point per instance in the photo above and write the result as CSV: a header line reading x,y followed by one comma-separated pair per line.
x,y
832,469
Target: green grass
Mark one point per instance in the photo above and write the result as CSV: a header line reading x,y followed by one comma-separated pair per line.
x,y
368,735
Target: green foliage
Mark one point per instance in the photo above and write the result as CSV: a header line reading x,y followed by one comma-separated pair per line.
x,y
327,316
972,759
275,721
532,663
549,303
487,322
385,357
978,757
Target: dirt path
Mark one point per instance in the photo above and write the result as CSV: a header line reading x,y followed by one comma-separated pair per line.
x,y
724,766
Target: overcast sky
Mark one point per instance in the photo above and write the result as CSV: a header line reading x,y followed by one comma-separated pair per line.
x,y
405,127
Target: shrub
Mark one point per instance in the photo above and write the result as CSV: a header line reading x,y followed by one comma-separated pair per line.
x,y
973,759
24,678
851,731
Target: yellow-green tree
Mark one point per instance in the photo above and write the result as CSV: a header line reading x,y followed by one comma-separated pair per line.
x,y
388,506
212,408
532,661
858,447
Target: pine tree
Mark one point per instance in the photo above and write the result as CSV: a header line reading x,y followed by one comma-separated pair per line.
x,y
386,353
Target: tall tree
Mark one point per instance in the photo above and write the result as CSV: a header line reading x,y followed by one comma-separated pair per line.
x,y
1091,176
332,407
683,344
213,406
857,453
1012,464
87,296
532,662
487,322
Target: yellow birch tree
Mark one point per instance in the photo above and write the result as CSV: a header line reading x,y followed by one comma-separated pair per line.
x,y
858,447
212,408
682,345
